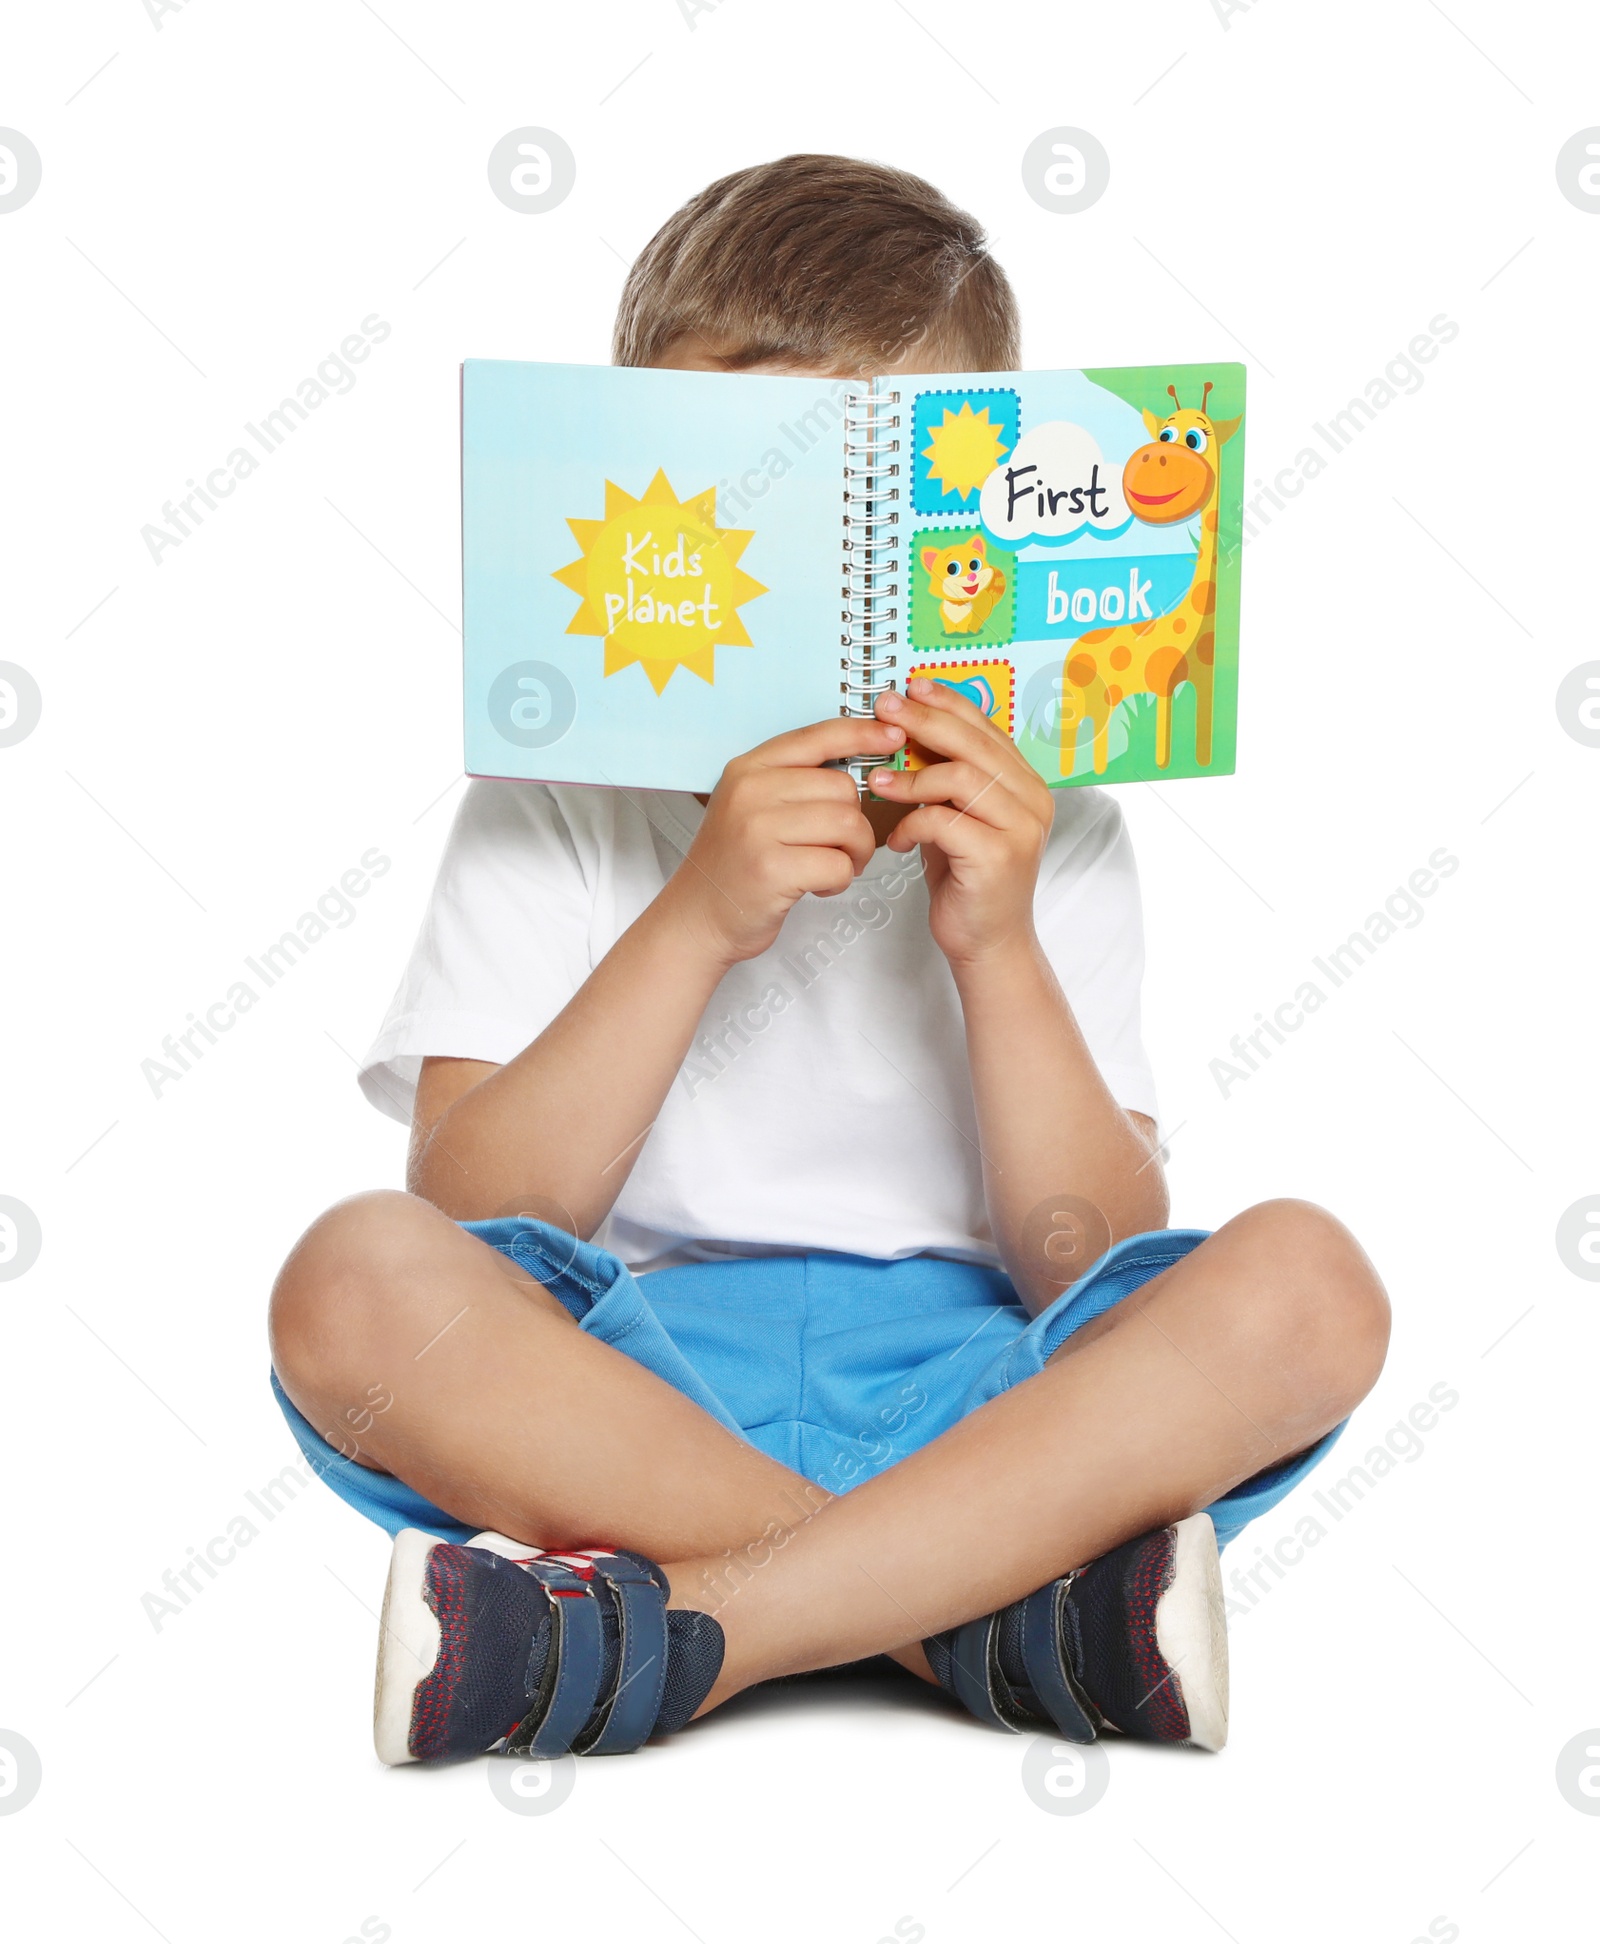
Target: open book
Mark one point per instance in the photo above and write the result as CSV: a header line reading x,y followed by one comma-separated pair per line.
x,y
664,568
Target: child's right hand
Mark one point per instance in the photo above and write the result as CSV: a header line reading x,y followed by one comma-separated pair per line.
x,y
777,826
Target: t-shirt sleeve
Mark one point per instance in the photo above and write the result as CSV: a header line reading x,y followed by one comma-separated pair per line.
x,y
1089,920
504,944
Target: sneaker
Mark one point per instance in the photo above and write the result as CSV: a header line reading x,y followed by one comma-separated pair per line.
x,y
498,1648
1136,1641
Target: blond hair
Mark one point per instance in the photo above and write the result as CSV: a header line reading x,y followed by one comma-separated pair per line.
x,y
819,259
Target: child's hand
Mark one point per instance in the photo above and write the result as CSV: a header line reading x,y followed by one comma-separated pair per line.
x,y
776,827
981,817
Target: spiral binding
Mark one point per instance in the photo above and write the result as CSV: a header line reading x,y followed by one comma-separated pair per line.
x,y
871,594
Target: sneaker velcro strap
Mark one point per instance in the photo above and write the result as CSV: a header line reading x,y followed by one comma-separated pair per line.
x,y
1044,1658
628,1720
974,1676
571,1684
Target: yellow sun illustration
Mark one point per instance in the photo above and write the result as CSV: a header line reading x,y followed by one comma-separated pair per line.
x,y
963,449
660,582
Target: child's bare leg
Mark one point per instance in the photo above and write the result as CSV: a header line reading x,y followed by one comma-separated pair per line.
x,y
1241,1355
509,1416
503,1411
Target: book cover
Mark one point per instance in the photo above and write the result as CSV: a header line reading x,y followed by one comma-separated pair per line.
x,y
663,569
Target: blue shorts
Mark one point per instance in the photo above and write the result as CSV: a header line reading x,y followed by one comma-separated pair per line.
x,y
835,1365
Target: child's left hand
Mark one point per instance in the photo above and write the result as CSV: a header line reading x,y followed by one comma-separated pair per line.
x,y
982,815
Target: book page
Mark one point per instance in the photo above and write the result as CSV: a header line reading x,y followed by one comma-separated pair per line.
x,y
651,568
1069,555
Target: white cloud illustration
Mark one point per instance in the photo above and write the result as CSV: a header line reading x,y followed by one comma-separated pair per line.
x,y
1055,484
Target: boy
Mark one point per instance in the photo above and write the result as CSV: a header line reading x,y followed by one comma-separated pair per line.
x,y
853,1088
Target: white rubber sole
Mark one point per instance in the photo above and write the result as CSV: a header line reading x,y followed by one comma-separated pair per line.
x,y
408,1646
1192,1632
408,1637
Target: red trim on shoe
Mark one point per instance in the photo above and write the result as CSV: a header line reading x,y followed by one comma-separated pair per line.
x,y
1162,1700
443,1587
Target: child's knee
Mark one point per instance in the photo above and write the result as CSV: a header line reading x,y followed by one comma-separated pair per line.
x,y
343,1293
1314,1300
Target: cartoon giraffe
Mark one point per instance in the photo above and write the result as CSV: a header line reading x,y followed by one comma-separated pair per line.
x,y
1170,479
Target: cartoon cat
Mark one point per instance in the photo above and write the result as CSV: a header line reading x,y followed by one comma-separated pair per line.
x,y
964,584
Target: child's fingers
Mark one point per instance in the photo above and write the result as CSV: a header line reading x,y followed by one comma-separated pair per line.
x,y
781,784
954,832
815,825
935,716
976,789
823,872
826,742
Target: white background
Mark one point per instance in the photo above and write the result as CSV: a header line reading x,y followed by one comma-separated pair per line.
x,y
227,192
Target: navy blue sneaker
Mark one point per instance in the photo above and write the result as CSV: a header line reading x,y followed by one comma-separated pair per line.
x,y
1136,1641
496,1648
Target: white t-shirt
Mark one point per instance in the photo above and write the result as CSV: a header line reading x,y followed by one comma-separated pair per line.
x,y
826,1102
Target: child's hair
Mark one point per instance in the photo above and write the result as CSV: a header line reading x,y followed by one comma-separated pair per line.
x,y
820,259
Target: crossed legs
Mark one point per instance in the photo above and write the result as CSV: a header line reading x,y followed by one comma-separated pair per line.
x,y
505,1413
